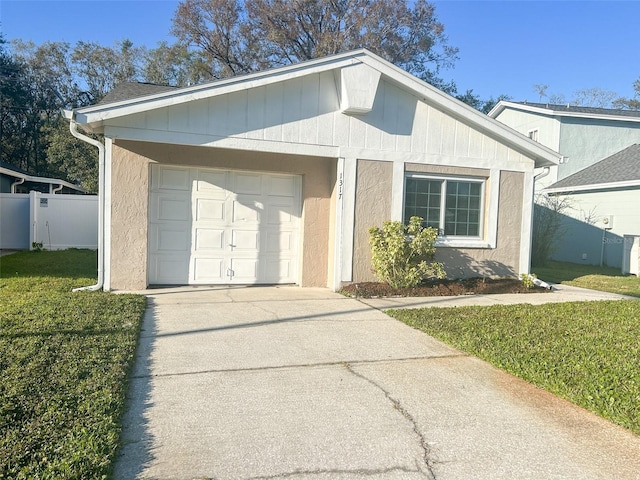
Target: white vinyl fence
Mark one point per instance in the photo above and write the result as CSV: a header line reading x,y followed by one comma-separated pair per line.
x,y
14,221
56,221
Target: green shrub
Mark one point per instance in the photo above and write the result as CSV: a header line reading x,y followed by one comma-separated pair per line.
x,y
528,280
402,255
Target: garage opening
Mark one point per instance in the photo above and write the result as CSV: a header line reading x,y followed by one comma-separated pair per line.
x,y
209,226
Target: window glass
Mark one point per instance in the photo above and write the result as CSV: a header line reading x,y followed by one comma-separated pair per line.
x,y
452,206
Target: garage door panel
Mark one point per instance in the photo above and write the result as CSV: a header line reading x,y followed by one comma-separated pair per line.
x,y
245,240
170,238
279,270
208,270
248,183
212,183
246,209
210,210
168,207
170,269
209,239
280,242
170,178
245,270
279,213
282,186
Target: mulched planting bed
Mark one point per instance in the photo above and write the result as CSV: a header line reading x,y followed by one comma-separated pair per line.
x,y
441,288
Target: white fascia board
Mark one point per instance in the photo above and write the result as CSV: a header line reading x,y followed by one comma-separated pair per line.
x,y
234,143
596,186
495,111
544,156
31,178
99,113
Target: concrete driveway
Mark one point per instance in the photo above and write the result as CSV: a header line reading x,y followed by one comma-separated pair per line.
x,y
269,383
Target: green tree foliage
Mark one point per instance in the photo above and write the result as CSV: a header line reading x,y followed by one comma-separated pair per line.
x,y
402,255
70,158
14,98
37,82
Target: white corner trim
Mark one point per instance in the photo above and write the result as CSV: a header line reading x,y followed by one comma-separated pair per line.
x,y
526,228
339,227
348,217
108,155
397,190
494,208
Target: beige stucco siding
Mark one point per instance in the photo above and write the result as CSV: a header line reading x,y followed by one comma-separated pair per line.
x,y
502,261
130,194
373,199
373,206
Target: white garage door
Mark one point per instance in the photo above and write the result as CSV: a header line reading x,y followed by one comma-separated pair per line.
x,y
216,226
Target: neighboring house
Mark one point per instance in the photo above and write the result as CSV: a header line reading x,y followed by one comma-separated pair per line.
x,y
276,177
605,198
15,180
597,176
582,135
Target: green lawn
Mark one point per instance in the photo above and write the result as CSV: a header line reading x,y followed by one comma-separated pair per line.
x,y
64,361
604,279
586,352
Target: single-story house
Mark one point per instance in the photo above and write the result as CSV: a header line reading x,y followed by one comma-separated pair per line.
x,y
16,180
604,200
276,177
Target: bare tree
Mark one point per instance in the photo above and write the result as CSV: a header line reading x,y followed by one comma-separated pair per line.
x,y
630,103
246,36
548,226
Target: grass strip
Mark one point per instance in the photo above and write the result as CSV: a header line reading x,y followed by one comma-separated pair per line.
x,y
64,362
585,352
604,279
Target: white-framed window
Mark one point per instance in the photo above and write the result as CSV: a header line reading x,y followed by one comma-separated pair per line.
x,y
534,135
453,205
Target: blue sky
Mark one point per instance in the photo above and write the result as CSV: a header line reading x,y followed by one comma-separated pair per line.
x,y
506,47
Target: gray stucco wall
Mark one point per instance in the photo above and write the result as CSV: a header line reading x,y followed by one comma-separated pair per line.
x,y
585,142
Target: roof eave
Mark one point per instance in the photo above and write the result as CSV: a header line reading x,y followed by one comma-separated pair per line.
x,y
93,117
595,186
502,105
33,178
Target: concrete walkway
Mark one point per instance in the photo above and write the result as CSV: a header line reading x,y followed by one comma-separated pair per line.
x,y
291,383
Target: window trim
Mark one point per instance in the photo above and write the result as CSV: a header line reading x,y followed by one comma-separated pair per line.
x,y
485,239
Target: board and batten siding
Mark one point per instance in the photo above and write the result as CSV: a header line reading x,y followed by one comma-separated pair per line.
x,y
306,111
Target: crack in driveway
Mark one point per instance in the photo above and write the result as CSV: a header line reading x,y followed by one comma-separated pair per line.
x,y
299,365
424,445
362,472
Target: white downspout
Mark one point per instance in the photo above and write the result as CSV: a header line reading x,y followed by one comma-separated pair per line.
x,y
15,184
545,171
57,189
73,128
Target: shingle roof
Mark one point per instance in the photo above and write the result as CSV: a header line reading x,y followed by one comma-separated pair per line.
x,y
129,90
586,110
623,166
